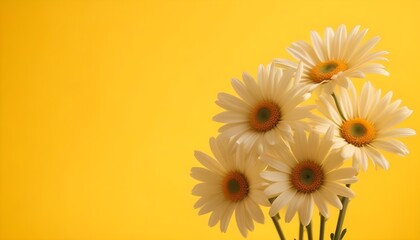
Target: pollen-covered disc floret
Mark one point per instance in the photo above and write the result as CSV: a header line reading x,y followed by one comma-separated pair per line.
x,y
358,132
332,61
307,176
230,184
306,172
324,71
265,116
266,110
235,186
368,124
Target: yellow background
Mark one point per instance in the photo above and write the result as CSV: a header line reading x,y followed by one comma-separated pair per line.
x,y
103,103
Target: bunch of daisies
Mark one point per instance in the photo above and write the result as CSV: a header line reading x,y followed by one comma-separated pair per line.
x,y
273,151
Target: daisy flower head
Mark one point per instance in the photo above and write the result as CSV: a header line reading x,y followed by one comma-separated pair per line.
x,y
336,58
365,124
230,183
307,172
266,110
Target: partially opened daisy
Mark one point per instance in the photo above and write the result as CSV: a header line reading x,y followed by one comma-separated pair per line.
x,y
336,58
365,124
306,173
267,110
230,183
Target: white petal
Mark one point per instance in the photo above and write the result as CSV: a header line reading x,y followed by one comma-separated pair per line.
x,y
209,162
391,145
377,158
227,215
339,189
275,176
275,163
360,159
277,188
205,189
217,214
306,209
321,204
331,197
281,201
397,132
341,173
255,211
205,175
231,117
240,219
348,151
259,197
294,205
243,92
232,103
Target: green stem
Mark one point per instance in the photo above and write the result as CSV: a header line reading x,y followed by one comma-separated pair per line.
x,y
339,227
338,106
309,230
278,228
300,231
322,228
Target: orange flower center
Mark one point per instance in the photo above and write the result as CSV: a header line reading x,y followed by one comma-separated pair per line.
x,y
358,132
326,70
307,177
265,116
235,186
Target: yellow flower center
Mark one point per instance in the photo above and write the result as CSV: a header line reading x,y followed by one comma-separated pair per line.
x,y
265,116
235,186
326,70
307,177
358,132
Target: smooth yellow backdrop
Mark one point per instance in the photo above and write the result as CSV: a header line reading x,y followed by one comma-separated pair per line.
x,y
102,104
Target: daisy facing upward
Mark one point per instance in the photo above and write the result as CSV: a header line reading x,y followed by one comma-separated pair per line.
x,y
230,183
365,124
307,172
267,110
336,58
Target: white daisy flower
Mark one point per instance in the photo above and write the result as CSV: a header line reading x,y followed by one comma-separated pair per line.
x,y
366,125
335,59
267,110
306,173
230,183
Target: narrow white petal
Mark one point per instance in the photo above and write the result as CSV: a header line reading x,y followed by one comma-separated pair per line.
x,y
275,176
205,175
281,201
293,207
341,173
209,162
255,211
348,151
232,103
217,214
333,160
397,132
243,92
227,215
391,145
277,188
377,157
259,197
240,219
331,198
205,189
275,163
306,209
321,203
339,189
